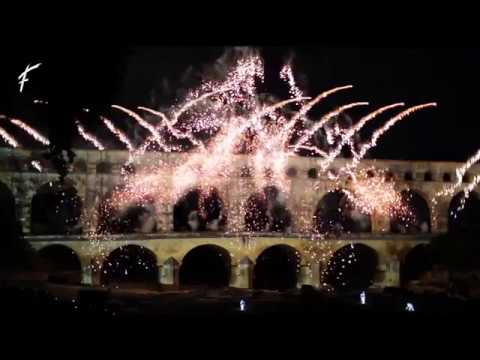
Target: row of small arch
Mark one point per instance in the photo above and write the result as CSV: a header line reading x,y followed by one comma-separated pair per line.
x,y
104,167
352,267
469,216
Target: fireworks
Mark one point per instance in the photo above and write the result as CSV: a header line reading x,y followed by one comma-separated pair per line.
x,y
224,117
378,133
451,189
35,134
371,192
89,137
118,133
10,140
36,164
287,74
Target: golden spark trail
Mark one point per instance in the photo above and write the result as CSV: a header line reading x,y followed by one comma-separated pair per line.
x,y
307,107
351,131
32,132
89,137
378,133
309,132
10,140
146,125
118,133
175,132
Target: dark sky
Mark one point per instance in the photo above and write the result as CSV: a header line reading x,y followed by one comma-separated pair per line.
x,y
97,77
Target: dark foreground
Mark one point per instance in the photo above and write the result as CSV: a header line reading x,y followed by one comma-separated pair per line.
x,y
69,303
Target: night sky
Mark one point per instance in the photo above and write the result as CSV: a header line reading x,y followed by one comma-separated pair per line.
x,y
97,77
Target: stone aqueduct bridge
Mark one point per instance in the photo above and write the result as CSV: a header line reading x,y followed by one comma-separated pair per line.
x,y
95,173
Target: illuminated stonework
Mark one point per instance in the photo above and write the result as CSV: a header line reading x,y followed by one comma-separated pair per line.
x,y
95,173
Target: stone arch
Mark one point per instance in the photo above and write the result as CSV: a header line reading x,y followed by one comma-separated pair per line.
x,y
352,268
336,213
8,216
312,173
408,176
469,217
60,263
130,264
447,177
413,216
292,171
80,166
267,211
56,209
416,262
200,210
206,265
136,216
428,176
276,268
104,167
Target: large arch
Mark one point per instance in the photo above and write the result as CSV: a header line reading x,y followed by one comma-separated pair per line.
x,y
335,213
352,268
7,210
199,210
417,261
139,216
276,268
61,263
414,215
469,217
206,265
267,211
130,264
56,209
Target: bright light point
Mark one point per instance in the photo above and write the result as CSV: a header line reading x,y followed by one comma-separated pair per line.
x,y
363,298
243,305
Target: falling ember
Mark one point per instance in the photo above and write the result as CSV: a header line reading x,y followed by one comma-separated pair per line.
x,y
89,137
287,74
370,192
34,133
36,164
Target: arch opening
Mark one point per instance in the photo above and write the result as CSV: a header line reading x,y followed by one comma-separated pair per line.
x,y
417,217
352,268
138,217
267,211
336,214
417,261
60,263
7,208
56,209
276,268
467,219
131,264
199,210
206,265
